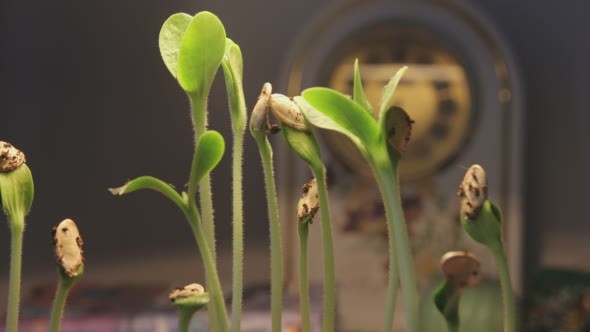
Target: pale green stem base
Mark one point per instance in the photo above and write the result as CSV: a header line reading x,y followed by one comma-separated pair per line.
x,y
507,295
238,232
59,302
399,249
184,319
329,307
276,254
303,229
17,229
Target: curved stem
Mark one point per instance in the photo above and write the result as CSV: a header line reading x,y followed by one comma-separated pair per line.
x,y
17,229
63,288
399,249
184,319
220,313
276,255
329,308
238,232
303,228
507,295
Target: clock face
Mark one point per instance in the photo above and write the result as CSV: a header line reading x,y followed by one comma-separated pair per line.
x,y
435,91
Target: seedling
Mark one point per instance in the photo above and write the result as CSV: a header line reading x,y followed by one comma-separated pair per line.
x,y
16,191
307,207
297,132
461,269
67,242
382,144
188,300
481,219
259,126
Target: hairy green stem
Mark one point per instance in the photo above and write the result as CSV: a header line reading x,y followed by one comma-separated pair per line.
x,y
303,228
507,295
17,229
238,232
184,319
199,117
63,288
276,254
399,249
329,307
214,286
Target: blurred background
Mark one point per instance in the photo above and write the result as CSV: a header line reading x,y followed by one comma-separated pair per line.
x,y
84,93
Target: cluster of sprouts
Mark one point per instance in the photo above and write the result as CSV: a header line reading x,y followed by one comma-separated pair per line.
x,y
193,49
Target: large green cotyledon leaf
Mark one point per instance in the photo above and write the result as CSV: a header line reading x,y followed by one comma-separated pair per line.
x,y
329,109
170,37
201,51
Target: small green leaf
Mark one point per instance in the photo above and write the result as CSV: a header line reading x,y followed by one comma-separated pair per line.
x,y
170,37
389,90
192,303
329,109
358,91
201,51
210,149
485,228
150,182
446,298
304,144
17,190
233,70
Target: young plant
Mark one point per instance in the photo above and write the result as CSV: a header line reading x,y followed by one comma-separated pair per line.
x,y
208,153
233,69
16,191
258,128
307,207
298,134
382,144
482,220
67,242
180,56
461,269
188,300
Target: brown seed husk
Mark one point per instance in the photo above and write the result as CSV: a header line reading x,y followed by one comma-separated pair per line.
x,y
68,247
186,291
473,191
11,158
309,203
461,268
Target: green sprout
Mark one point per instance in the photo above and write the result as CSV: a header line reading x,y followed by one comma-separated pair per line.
x,y
233,69
208,153
482,220
181,58
297,132
17,191
258,128
461,269
307,207
188,300
70,260
382,144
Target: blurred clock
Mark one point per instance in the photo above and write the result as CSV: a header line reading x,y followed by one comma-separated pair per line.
x,y
435,91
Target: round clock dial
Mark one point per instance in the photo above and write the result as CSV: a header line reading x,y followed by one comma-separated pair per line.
x,y
435,91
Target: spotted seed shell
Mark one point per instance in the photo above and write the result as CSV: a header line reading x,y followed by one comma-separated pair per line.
x,y
473,191
68,247
11,158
